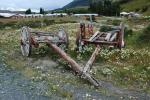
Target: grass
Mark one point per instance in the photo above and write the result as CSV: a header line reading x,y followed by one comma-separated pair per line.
x,y
137,5
127,68
33,22
8,20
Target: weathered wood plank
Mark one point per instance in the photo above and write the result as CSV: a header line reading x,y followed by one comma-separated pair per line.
x,y
91,60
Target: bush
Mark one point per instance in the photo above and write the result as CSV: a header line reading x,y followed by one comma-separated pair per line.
x,y
1,25
63,21
48,22
105,28
93,18
35,24
116,22
32,24
145,36
10,24
144,9
128,32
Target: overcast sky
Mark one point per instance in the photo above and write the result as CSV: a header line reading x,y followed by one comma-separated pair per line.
x,y
33,4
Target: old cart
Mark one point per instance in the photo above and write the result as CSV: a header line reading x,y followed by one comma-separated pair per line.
x,y
113,39
30,38
55,41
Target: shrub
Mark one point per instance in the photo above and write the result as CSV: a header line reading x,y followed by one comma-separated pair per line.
x,y
93,18
144,9
105,28
116,22
10,24
48,22
128,32
1,25
32,24
145,36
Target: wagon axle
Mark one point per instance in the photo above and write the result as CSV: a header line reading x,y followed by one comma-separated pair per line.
x,y
31,38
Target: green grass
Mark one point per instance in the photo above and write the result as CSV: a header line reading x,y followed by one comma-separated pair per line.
x,y
34,22
128,68
137,5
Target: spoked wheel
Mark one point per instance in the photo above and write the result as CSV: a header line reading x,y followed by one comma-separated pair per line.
x,y
122,43
25,42
64,37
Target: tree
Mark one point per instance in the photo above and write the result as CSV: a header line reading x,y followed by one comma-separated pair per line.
x,y
125,1
28,11
116,8
42,11
105,7
100,8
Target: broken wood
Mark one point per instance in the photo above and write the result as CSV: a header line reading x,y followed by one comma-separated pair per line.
x,y
30,38
91,60
114,38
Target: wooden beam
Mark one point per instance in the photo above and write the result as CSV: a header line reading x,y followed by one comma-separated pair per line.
x,y
100,42
92,59
76,67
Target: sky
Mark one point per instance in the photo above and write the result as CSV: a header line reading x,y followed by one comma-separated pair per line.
x,y
35,5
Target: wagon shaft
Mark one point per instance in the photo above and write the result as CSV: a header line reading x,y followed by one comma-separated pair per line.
x,y
91,60
76,67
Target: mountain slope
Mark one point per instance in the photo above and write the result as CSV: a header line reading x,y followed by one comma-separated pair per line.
x,y
142,6
77,3
81,3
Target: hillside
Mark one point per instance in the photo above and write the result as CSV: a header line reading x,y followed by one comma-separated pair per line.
x,y
80,3
142,6
77,3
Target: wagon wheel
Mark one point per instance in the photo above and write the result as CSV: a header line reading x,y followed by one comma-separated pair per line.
x,y
25,42
79,43
122,43
64,37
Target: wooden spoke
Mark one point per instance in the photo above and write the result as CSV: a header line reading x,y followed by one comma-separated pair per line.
x,y
122,28
64,37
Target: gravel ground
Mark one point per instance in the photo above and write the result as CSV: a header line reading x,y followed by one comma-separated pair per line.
x,y
14,86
